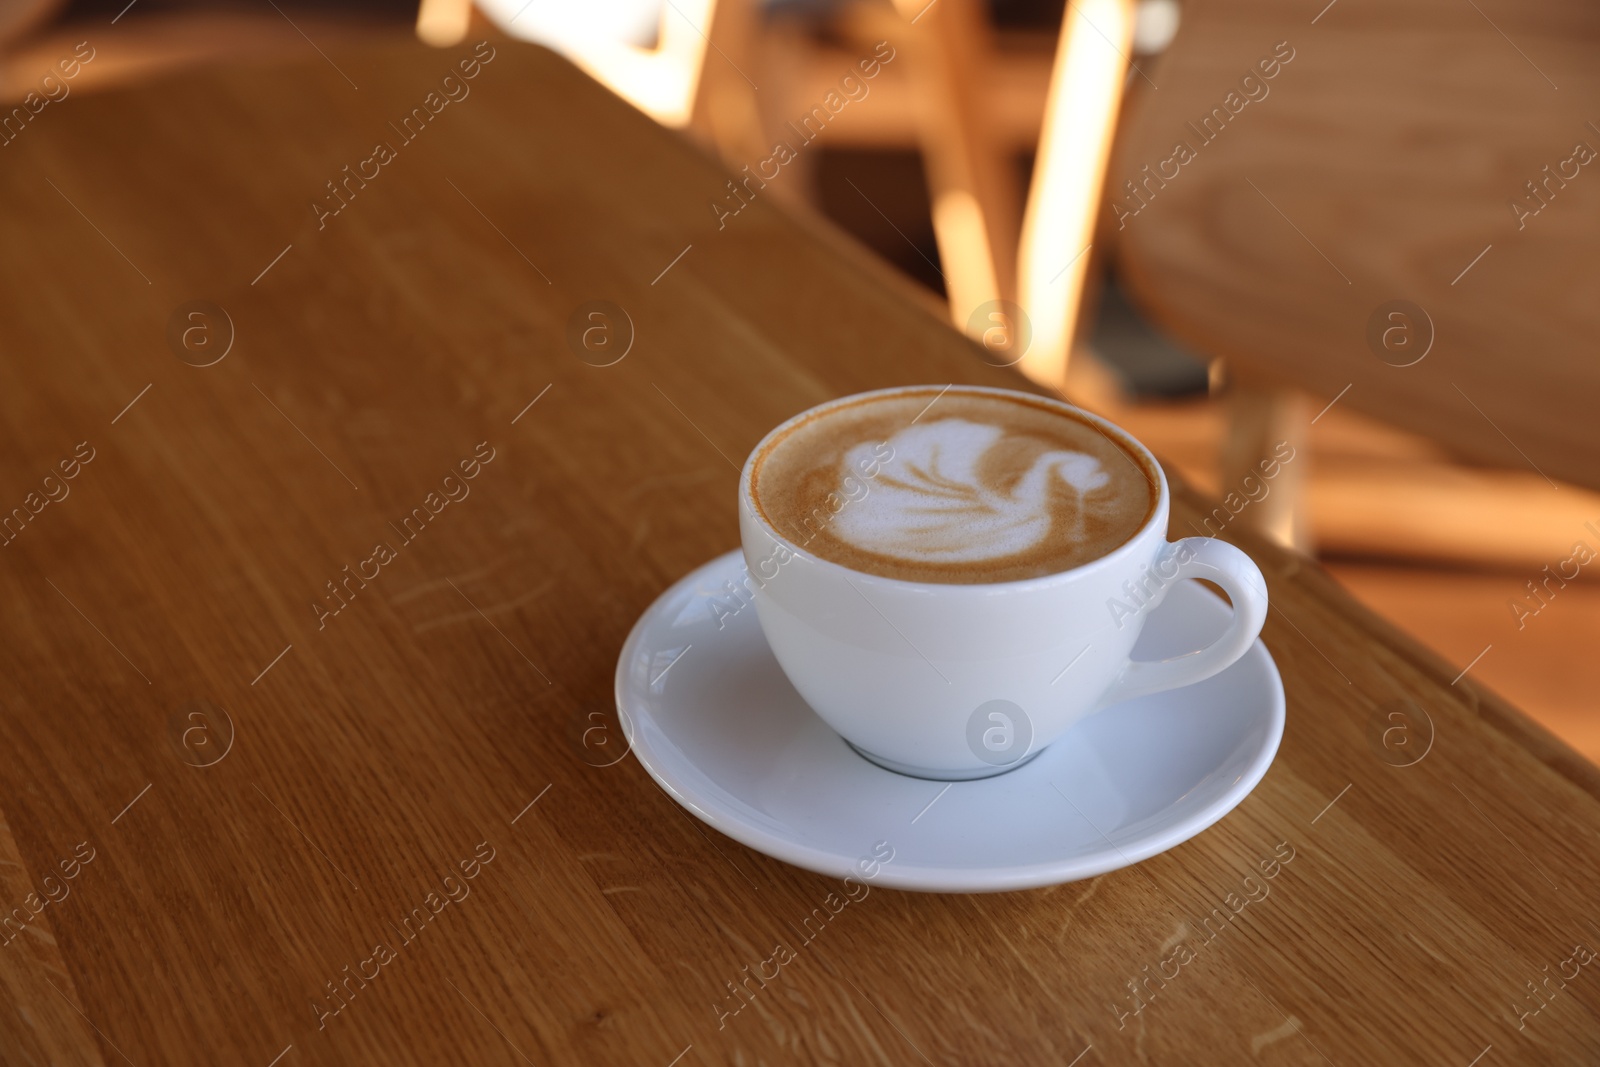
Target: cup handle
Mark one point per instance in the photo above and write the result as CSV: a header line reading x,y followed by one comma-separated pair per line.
x,y
1217,561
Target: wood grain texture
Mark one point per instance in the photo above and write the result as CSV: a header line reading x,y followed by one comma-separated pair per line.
x,y
48,1026
376,750
1381,163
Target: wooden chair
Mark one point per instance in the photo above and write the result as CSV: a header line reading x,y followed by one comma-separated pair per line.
x,y
972,107
1279,254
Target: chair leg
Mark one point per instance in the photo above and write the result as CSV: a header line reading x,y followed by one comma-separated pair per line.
x,y
970,180
1265,462
1086,87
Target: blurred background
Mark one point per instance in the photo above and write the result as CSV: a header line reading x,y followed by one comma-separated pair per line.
x,y
1102,194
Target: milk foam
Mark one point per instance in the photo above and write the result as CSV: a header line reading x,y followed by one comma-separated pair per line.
x,y
931,503
950,484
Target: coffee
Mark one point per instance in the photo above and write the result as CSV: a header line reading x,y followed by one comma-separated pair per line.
x,y
960,487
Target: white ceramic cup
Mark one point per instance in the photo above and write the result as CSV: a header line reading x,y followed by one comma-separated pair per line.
x,y
957,681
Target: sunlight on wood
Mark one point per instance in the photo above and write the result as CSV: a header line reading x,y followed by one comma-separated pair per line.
x,y
969,275
442,23
1074,149
663,81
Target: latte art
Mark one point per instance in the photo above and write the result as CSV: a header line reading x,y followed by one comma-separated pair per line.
x,y
956,485
933,502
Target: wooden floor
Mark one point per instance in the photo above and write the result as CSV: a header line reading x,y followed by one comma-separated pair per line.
x,y
1548,667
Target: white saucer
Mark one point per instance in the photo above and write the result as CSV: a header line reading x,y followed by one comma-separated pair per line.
x,y
715,722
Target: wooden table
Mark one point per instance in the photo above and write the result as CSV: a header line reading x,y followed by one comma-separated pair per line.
x,y
252,790
1381,165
